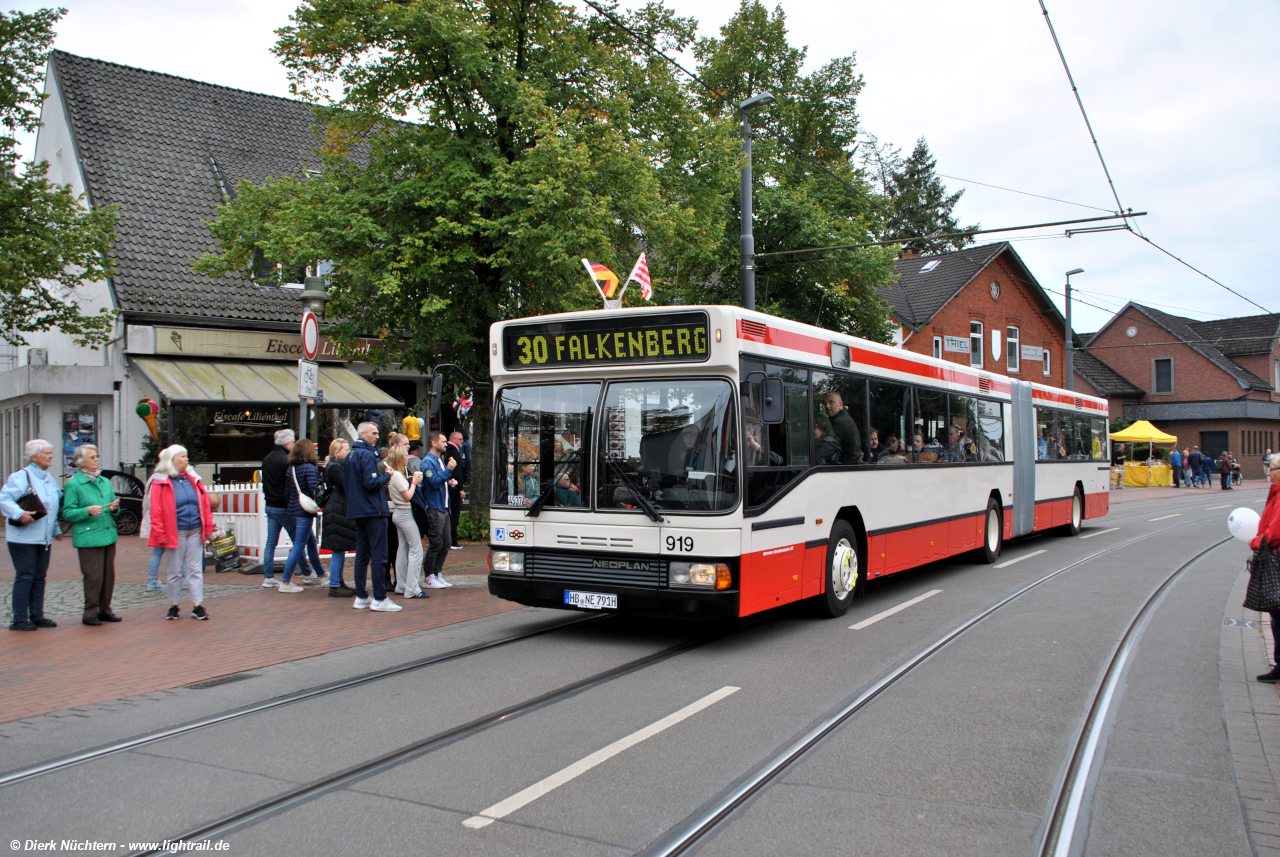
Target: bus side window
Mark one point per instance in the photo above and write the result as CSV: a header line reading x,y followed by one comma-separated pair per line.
x,y
1083,437
1099,425
839,411
926,441
962,419
1046,435
990,436
890,408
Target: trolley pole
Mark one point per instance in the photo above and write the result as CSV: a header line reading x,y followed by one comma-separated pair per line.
x,y
747,241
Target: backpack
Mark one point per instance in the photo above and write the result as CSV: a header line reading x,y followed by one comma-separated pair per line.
x,y
323,490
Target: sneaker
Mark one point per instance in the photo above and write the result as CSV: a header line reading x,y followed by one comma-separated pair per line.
x,y
173,612
440,579
456,547
399,590
311,578
22,626
269,582
420,594
361,603
156,587
198,612
290,587
386,605
1271,677
433,582
42,622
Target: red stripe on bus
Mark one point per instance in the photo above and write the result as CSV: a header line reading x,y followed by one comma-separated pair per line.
x,y
1068,399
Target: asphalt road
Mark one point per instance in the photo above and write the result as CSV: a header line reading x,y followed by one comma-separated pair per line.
x,y
961,756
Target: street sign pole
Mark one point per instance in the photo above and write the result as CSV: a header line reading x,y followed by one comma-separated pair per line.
x,y
308,372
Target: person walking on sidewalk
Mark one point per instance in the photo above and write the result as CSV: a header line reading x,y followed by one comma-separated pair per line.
x,y
401,489
90,506
337,535
367,509
436,487
144,526
1175,464
275,494
1186,467
1269,529
181,522
30,539
1224,470
302,480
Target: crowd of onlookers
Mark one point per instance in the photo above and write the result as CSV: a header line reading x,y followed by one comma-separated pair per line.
x,y
378,503
1194,469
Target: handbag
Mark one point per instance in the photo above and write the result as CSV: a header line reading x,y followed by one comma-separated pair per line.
x,y
308,505
1263,593
30,502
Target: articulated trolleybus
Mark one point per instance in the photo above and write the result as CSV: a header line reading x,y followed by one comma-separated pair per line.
x,y
711,461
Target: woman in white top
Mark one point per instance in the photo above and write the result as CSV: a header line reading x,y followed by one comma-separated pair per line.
x,y
400,489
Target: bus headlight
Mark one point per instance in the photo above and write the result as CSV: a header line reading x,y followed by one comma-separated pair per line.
x,y
506,562
704,575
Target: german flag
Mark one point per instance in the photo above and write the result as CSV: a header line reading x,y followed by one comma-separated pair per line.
x,y
606,281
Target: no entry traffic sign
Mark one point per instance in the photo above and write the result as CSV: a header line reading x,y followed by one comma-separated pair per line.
x,y
310,335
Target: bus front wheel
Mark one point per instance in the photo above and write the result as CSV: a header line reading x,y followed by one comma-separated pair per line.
x,y
845,572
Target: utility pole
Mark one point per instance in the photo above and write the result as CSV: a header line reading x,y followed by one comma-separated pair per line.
x,y
747,241
1069,364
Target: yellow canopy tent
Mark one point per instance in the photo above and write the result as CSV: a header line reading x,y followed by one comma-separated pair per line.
x,y
1138,433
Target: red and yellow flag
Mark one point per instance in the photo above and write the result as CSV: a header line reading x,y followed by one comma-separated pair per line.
x,y
606,281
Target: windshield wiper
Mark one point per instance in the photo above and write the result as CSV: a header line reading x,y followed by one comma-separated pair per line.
x,y
635,492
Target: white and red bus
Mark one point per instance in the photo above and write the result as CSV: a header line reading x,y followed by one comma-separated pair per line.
x,y
713,461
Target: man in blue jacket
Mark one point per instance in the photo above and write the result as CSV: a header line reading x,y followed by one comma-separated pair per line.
x,y
435,487
1175,462
367,509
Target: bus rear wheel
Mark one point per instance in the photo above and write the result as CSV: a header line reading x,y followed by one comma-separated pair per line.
x,y
1077,515
992,533
844,579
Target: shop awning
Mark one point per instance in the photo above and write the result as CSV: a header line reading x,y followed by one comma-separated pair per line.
x,y
211,382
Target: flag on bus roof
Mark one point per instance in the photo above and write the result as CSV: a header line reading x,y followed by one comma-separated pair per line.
x,y
640,273
606,281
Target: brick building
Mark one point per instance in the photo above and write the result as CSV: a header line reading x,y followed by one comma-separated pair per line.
x,y
1212,383
979,306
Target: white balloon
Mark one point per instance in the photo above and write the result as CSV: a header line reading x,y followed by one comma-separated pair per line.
x,y
1243,524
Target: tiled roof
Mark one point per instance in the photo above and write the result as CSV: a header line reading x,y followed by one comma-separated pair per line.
x,y
1187,330
1250,334
1107,381
926,284
148,143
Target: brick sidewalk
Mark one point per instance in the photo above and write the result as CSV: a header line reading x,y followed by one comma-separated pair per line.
x,y
74,664
1130,495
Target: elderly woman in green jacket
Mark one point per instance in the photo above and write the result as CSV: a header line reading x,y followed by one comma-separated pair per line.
x,y
89,504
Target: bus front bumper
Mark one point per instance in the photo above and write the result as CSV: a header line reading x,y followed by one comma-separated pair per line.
x,y
633,601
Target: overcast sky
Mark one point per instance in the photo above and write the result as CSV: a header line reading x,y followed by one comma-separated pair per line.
x,y
1182,97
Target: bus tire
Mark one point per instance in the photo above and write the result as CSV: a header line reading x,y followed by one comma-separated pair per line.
x,y
1077,515
992,533
845,572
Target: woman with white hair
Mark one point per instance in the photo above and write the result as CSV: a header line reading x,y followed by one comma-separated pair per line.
x,y
90,507
144,529
30,538
181,521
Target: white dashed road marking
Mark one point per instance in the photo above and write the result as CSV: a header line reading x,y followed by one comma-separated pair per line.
x,y
1009,562
887,613
1165,517
1100,533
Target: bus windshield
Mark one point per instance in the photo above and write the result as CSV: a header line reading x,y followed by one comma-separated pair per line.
x,y
673,444
541,437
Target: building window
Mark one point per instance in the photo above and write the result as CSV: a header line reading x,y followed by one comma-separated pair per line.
x,y
975,344
1011,342
937,347
1162,375
1047,369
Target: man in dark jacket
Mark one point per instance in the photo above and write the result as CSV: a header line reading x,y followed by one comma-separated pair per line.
x,y
367,509
1196,459
846,430
276,498
456,492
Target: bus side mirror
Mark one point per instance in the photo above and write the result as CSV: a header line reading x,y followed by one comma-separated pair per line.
x,y
771,407
437,387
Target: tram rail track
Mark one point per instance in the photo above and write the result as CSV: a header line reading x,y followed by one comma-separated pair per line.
x,y
698,826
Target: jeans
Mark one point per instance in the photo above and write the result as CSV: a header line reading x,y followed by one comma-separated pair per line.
x,y
409,556
1226,480
1177,471
279,519
1186,476
153,571
371,556
186,565
30,566
304,542
336,559
438,541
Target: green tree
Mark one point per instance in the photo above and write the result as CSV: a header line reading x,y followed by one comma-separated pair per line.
x,y
921,208
50,244
808,189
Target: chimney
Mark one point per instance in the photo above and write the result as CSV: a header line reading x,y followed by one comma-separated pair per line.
x,y
908,253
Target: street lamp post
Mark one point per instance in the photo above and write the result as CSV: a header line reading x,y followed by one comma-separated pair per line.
x,y
1069,363
747,242
314,297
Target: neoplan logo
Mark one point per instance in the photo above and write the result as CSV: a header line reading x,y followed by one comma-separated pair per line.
x,y
621,564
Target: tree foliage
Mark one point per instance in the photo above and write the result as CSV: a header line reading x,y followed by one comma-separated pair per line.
x,y
49,243
921,207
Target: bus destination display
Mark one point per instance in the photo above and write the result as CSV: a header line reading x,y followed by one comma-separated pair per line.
x,y
608,341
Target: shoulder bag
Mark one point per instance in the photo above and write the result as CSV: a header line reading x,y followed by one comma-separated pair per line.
x,y
1263,593
30,502
308,505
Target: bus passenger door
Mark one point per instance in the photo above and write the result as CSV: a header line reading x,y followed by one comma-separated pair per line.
x,y
1023,439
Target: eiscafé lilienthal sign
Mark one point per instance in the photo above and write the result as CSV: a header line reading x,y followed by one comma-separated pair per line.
x,y
249,345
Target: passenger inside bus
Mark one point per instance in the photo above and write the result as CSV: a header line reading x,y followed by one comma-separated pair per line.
x,y
567,493
845,429
826,447
525,490
893,452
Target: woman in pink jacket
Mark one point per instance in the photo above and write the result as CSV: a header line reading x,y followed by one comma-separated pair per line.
x,y
181,521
